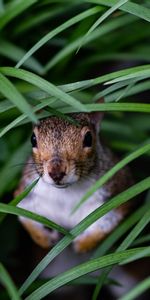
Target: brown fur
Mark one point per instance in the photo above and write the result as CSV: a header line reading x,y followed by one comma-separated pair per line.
x,y
60,149
57,138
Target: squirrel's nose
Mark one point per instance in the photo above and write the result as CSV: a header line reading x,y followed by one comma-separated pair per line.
x,y
57,176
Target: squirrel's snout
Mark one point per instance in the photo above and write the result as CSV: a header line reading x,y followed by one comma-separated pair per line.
x,y
56,170
57,176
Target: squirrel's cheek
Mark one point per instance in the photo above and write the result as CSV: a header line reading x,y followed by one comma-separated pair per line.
x,y
71,178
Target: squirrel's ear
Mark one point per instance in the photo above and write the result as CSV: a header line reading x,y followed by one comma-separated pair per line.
x,y
96,117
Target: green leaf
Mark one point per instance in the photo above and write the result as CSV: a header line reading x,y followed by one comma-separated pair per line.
x,y
123,246
9,172
57,30
6,280
130,107
112,25
130,7
19,119
120,230
10,209
18,198
103,17
135,231
14,52
10,92
44,85
5,105
14,9
134,257
136,72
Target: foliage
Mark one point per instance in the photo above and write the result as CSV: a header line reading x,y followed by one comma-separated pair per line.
x,y
102,49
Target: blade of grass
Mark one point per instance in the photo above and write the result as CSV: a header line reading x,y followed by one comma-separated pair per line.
x,y
105,246
79,271
38,18
10,92
130,7
130,76
138,290
6,280
130,107
135,257
72,46
134,107
138,88
136,72
123,246
5,105
57,30
44,85
6,174
98,213
19,119
14,53
10,209
14,9
102,18
21,196
135,231
141,240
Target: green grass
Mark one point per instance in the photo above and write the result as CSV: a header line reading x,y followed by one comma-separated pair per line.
x,y
59,57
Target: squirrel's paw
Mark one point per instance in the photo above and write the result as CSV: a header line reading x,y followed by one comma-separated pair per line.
x,y
88,240
42,236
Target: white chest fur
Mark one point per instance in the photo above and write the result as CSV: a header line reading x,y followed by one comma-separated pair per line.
x,y
57,204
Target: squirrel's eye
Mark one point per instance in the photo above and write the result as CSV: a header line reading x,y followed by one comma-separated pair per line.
x,y
87,142
33,140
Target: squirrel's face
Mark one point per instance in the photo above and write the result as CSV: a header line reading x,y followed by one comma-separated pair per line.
x,y
63,152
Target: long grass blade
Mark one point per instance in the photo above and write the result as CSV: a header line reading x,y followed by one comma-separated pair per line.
x,y
14,9
6,280
10,92
44,85
102,18
57,30
18,198
138,290
133,8
10,209
79,271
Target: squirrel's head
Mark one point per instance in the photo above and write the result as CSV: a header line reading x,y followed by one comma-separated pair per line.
x,y
64,152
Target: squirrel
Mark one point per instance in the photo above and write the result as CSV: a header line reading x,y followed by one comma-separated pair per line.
x,y
69,158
